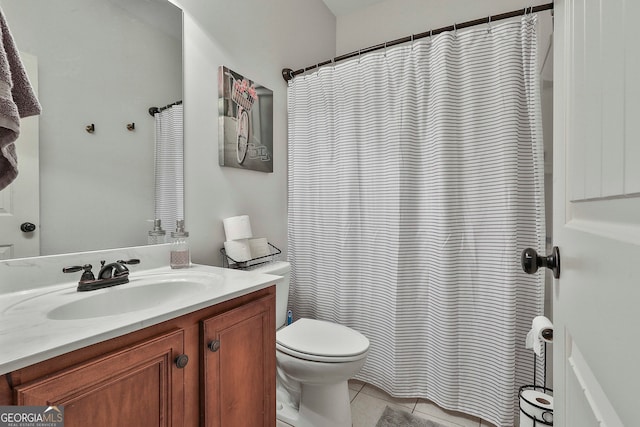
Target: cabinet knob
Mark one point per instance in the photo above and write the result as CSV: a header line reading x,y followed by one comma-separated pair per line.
x,y
214,345
182,360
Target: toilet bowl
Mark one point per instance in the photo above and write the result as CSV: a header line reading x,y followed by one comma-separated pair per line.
x,y
314,360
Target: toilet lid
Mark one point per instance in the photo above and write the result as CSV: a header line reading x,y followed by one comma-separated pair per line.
x,y
320,338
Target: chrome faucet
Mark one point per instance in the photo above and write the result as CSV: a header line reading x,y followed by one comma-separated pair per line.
x,y
112,274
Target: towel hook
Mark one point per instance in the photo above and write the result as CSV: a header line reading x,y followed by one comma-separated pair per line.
x,y
90,128
131,127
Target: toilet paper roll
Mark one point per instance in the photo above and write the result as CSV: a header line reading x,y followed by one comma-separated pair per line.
x,y
237,227
535,404
238,250
259,247
541,331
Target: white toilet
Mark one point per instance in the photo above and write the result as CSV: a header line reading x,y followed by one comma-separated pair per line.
x,y
314,360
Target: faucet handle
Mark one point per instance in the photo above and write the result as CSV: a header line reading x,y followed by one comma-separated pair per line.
x,y
129,261
86,275
73,269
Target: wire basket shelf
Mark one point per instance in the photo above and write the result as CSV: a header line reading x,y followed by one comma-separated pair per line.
x,y
228,262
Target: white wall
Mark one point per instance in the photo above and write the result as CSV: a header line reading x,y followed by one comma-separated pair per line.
x,y
97,64
256,38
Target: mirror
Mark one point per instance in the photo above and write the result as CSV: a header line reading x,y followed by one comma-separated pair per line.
x,y
100,62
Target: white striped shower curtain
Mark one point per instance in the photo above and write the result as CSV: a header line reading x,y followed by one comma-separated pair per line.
x,y
169,169
415,181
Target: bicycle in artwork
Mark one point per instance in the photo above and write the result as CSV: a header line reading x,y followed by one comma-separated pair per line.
x,y
244,94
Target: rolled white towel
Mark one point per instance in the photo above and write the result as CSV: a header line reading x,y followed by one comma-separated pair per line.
x,y
259,247
238,250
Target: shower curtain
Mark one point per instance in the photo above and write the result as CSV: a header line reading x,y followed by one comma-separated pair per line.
x,y
169,170
415,181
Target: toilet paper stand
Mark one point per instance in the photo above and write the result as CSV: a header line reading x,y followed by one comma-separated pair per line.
x,y
537,410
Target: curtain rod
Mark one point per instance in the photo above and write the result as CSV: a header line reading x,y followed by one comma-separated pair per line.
x,y
154,110
288,73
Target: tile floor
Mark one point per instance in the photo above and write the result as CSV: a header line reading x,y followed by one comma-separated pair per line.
x,y
368,403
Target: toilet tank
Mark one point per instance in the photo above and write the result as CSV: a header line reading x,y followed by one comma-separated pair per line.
x,y
282,269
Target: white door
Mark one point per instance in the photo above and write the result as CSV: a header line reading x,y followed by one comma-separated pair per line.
x,y
596,217
20,201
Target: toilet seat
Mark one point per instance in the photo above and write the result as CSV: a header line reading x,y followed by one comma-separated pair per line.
x,y
321,341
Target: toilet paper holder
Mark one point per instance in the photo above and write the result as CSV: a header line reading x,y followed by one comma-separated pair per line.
x,y
531,261
539,410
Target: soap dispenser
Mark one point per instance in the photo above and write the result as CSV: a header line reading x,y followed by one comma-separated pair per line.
x,y
157,235
180,255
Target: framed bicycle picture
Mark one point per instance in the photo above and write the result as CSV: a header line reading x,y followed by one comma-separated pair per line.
x,y
245,125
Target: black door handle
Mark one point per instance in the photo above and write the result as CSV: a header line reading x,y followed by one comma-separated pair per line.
x,y
27,227
531,261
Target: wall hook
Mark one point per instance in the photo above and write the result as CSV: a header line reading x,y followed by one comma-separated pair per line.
x,y
131,127
90,128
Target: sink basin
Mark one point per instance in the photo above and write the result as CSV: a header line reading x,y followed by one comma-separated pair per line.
x,y
135,296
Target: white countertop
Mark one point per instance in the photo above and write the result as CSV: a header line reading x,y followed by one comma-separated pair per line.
x,y
28,335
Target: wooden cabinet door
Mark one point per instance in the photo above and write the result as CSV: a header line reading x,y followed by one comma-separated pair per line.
x,y
137,386
238,377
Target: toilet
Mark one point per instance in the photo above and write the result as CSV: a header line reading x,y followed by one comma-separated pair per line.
x,y
314,360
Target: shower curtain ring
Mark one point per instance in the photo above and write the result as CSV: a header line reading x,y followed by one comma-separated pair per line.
x,y
385,49
489,24
359,50
411,41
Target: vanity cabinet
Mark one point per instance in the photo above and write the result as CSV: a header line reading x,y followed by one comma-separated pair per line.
x,y
237,386
137,383
139,379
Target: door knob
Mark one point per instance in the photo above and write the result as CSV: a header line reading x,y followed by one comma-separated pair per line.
x,y
531,261
27,227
